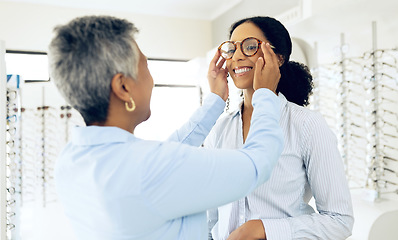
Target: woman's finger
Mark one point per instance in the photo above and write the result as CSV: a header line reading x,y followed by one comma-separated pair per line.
x,y
213,62
258,71
221,63
269,54
212,72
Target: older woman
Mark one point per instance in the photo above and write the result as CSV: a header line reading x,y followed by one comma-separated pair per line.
x,y
114,185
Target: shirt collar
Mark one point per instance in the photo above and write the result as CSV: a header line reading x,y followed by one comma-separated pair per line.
x,y
282,99
96,135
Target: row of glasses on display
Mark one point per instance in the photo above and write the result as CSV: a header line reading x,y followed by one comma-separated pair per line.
x,y
363,92
349,118
45,130
382,120
34,138
13,161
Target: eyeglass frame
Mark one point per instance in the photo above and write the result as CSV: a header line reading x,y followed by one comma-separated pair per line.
x,y
241,43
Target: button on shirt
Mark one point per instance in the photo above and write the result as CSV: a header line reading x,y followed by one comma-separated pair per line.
x,y
310,165
114,186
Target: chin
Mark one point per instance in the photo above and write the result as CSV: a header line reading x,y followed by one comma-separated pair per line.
x,y
243,84
148,115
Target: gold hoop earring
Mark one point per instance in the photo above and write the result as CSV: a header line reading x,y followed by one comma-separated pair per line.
x,y
128,108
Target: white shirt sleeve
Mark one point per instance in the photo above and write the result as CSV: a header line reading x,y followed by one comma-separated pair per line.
x,y
326,176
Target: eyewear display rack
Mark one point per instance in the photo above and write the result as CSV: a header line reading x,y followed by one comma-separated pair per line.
x,y
31,139
45,130
11,177
358,97
3,154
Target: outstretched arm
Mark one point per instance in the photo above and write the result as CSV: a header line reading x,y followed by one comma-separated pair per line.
x,y
199,125
190,180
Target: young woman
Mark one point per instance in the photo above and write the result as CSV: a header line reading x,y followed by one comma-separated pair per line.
x,y
115,186
310,164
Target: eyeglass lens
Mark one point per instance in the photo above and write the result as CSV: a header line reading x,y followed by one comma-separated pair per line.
x,y
249,47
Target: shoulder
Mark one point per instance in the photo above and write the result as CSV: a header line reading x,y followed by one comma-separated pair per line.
x,y
305,117
309,125
226,125
225,120
165,155
227,117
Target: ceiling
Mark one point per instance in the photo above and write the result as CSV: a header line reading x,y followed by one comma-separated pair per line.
x,y
191,9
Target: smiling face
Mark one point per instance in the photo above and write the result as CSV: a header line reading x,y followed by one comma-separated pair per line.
x,y
241,67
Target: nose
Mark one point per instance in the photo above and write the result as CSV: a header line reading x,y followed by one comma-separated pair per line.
x,y
238,54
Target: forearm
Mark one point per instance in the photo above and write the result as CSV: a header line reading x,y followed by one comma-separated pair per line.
x,y
326,226
199,179
266,112
199,125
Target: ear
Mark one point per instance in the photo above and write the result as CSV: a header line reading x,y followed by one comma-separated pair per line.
x,y
120,88
281,60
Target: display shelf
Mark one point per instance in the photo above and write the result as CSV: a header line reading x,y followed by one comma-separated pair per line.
x,y
3,188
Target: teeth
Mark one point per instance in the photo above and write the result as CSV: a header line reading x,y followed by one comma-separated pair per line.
x,y
242,70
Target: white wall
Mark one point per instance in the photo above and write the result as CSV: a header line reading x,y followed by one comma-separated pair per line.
x,y
29,27
354,19
247,8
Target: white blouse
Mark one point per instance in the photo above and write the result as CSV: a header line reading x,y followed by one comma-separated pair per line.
x,y
310,165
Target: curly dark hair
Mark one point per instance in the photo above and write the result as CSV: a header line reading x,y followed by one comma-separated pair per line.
x,y
296,80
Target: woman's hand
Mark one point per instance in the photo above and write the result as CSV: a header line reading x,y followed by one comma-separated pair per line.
x,y
267,72
250,230
217,77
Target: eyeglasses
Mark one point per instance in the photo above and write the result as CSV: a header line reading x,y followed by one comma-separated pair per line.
x,y
66,107
249,47
11,95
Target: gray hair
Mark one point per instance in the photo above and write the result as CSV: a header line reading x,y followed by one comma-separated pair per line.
x,y
85,54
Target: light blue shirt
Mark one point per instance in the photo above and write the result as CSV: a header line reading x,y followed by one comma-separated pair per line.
x,y
310,165
115,186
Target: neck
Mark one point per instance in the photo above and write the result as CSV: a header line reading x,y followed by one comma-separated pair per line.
x,y
247,111
247,101
119,117
116,122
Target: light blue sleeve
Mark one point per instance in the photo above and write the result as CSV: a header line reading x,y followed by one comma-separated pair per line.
x,y
199,125
180,180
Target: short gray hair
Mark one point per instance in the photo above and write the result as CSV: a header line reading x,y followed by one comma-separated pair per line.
x,y
85,54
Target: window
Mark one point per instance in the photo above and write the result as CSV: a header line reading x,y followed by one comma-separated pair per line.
x,y
31,66
175,97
